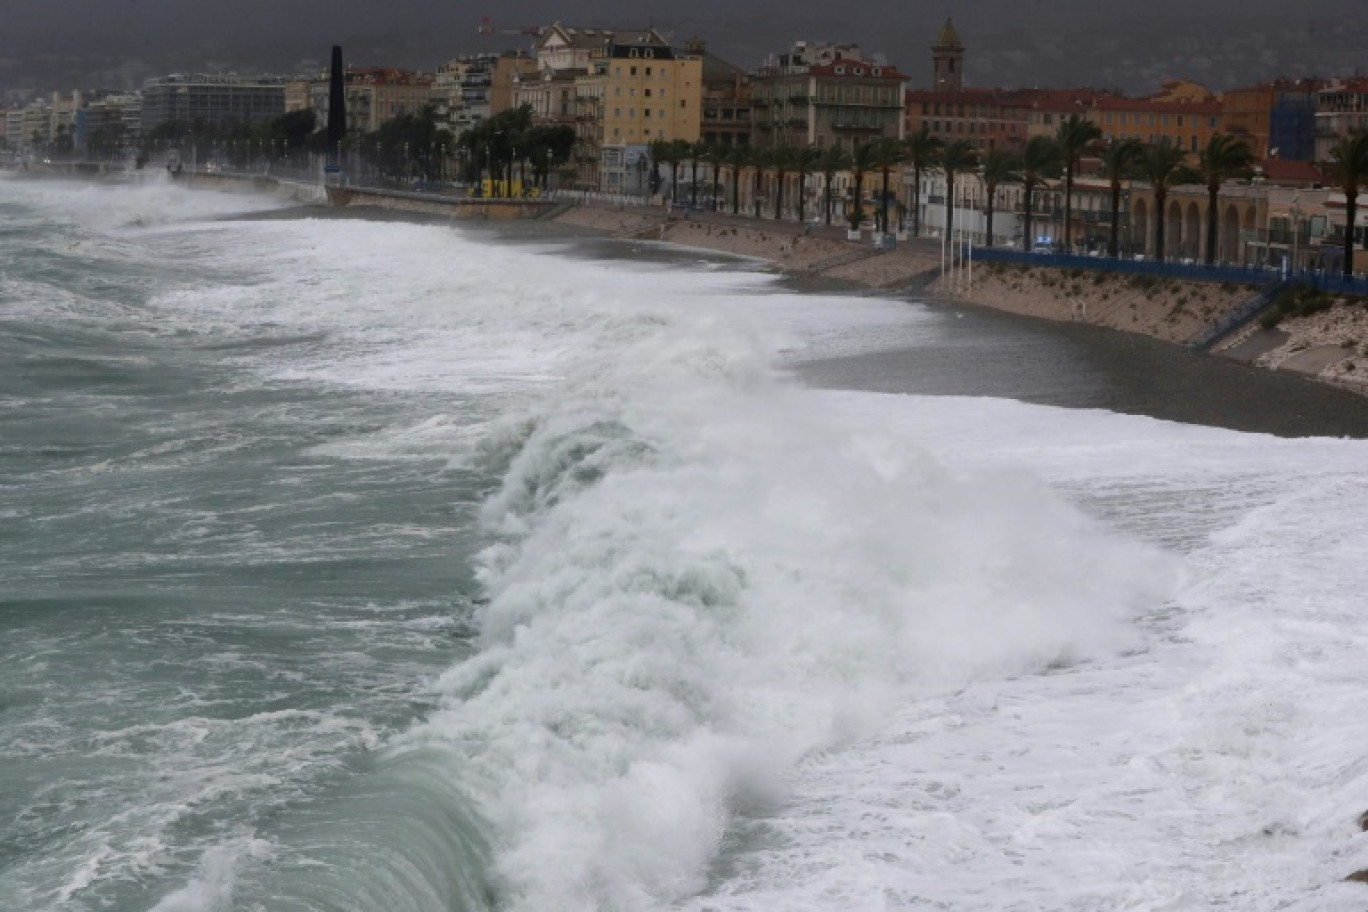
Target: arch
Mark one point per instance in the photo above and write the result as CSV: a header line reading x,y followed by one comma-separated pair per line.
x,y
1192,232
1173,231
1230,235
1139,241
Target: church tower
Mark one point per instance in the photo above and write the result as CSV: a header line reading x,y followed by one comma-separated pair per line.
x,y
947,60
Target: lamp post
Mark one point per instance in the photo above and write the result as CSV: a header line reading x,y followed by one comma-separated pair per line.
x,y
489,169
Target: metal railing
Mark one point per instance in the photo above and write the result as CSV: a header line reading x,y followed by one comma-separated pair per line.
x,y
1244,275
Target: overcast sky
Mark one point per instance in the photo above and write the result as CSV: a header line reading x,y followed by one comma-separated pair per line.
x,y
1021,41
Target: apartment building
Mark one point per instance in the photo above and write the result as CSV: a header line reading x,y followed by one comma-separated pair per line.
x,y
374,96
1277,118
1341,110
826,95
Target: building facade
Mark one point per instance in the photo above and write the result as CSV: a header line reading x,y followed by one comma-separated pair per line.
x,y
210,99
374,96
826,96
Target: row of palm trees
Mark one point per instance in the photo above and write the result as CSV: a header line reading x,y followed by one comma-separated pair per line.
x,y
1043,160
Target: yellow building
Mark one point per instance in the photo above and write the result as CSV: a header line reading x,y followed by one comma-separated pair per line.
x,y
649,92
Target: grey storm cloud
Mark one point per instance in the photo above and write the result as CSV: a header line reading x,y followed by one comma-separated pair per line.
x,y
1010,42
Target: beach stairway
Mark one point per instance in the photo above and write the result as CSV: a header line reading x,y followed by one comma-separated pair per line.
x,y
1238,317
843,259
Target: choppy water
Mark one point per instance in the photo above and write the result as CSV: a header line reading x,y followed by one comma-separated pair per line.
x,y
357,566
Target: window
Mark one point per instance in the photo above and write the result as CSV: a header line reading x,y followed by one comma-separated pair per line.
x,y
648,93
648,71
646,112
632,72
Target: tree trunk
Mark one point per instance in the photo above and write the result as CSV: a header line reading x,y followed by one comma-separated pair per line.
x,y
1114,245
829,179
1027,235
1350,214
1068,209
736,190
883,203
1159,200
1211,225
950,210
916,201
693,184
988,227
755,197
778,194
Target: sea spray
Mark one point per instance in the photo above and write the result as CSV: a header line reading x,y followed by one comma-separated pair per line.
x,y
703,576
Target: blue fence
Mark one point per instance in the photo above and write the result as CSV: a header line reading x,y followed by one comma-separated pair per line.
x,y
1243,275
1333,282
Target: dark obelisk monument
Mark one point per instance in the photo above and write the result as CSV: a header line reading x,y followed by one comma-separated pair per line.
x,y
337,111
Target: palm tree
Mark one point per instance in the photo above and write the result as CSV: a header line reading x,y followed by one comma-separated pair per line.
x,y
737,157
922,148
1117,161
781,160
1074,135
861,162
1039,163
665,152
956,158
804,161
713,154
1163,168
1224,157
999,167
759,161
1348,167
888,154
834,159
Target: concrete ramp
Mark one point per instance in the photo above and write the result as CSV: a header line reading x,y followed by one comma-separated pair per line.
x,y
1314,360
1261,343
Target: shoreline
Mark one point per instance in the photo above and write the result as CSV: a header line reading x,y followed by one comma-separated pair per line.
x,y
1329,347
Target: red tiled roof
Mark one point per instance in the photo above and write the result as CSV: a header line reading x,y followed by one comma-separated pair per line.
x,y
973,96
1116,103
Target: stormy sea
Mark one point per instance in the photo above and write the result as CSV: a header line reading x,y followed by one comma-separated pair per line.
x,y
383,567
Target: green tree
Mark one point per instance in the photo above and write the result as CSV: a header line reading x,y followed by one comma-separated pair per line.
x,y
1074,135
1118,161
833,160
956,157
1162,167
1039,163
999,167
1348,168
922,149
1225,157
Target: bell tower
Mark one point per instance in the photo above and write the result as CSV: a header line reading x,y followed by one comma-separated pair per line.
x,y
947,60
